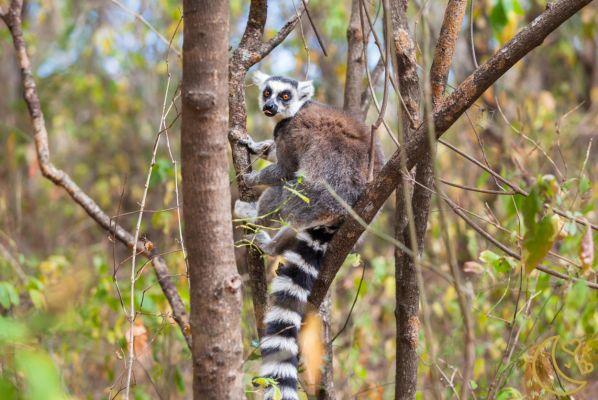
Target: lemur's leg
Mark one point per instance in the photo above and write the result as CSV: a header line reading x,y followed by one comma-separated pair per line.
x,y
265,149
274,246
272,175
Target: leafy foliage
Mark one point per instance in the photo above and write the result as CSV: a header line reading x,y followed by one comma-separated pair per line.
x,y
102,78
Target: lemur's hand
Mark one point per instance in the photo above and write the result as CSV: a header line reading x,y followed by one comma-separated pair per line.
x,y
258,148
250,179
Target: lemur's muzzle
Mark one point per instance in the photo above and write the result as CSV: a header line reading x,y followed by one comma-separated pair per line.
x,y
270,108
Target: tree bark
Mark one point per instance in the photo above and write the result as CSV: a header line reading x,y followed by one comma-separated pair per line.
x,y
355,64
407,288
215,291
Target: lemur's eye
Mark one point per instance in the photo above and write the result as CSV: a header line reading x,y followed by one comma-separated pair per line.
x,y
285,96
267,93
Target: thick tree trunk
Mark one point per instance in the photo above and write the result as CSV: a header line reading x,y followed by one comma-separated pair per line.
x,y
215,284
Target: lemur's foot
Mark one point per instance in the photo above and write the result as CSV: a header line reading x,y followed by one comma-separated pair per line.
x,y
262,240
245,210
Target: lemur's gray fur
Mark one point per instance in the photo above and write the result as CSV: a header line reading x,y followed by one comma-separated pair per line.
x,y
313,144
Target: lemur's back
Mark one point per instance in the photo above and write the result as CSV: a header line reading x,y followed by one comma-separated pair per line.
x,y
326,144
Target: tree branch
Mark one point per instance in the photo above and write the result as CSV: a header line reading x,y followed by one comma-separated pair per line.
x,y
354,87
445,47
251,50
448,112
12,18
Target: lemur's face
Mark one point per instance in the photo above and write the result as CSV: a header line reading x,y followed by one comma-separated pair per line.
x,y
282,97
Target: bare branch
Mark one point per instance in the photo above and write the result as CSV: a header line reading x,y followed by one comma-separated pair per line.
x,y
60,178
356,65
282,34
149,26
449,111
445,48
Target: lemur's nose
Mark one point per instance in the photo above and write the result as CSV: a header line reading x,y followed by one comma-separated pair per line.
x,y
270,108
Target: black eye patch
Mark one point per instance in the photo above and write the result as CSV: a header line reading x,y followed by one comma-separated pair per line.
x,y
267,92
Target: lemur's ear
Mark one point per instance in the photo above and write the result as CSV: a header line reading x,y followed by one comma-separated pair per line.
x,y
259,77
306,90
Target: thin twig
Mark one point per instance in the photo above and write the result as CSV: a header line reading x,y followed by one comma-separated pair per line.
x,y
133,278
313,26
149,25
352,305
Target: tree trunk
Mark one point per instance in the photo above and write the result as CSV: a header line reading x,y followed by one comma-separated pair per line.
x,y
215,292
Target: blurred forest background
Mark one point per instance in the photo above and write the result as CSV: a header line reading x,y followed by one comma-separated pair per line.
x,y
103,75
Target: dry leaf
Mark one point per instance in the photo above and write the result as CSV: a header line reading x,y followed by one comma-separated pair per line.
x,y
586,249
313,352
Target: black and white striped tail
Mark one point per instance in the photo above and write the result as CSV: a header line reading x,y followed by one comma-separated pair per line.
x,y
289,293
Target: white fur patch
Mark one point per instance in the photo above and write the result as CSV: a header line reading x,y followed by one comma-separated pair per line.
x,y
289,394
245,210
279,369
276,314
286,394
285,344
285,284
296,259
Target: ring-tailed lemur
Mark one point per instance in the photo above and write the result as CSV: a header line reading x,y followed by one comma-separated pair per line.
x,y
313,144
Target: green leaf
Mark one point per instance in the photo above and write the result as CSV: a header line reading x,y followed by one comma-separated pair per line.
x,y
584,184
179,381
489,257
14,296
538,241
509,394
42,379
4,296
516,7
7,390
37,298
531,206
8,295
162,171
12,331
498,16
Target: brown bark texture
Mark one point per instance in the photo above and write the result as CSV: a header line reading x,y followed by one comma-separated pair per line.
x,y
448,112
407,290
215,290
355,64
